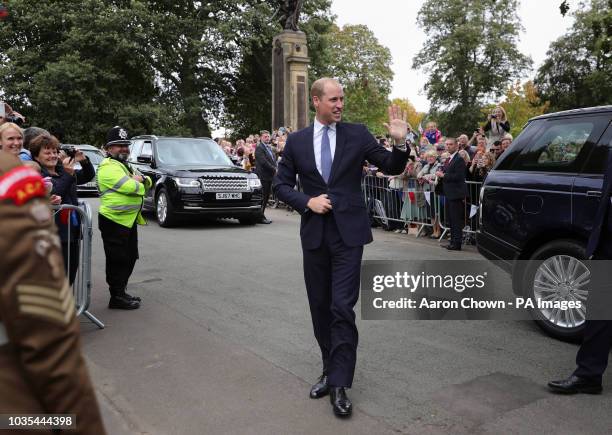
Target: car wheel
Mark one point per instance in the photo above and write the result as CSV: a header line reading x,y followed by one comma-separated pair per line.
x,y
164,210
251,220
557,272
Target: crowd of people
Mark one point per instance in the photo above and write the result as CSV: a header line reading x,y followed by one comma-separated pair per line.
x,y
416,195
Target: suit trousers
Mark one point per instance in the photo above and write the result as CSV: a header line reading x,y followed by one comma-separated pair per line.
x,y
266,188
121,250
331,272
592,357
456,220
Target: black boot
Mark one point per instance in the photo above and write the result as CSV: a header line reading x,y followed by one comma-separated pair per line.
x,y
122,303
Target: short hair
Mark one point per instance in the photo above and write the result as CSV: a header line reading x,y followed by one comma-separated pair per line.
x,y
10,126
452,139
431,153
262,132
507,136
43,141
30,133
318,87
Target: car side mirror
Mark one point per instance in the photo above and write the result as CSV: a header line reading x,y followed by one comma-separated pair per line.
x,y
145,158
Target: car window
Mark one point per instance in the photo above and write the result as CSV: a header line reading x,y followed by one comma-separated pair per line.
x,y
146,149
557,146
135,149
95,157
193,152
597,161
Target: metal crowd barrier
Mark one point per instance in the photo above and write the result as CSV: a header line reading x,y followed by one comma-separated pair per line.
x,y
394,207
81,287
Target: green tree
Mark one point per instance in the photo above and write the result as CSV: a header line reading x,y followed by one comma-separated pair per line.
x,y
76,66
413,116
362,65
470,55
248,106
578,69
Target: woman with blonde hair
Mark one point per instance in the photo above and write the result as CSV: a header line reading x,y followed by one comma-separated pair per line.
x,y
426,178
497,125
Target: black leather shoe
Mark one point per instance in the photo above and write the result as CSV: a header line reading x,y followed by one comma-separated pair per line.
x,y
452,247
133,298
341,404
320,389
122,303
574,384
265,220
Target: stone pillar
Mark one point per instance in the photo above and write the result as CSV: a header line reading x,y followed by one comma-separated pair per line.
x,y
290,91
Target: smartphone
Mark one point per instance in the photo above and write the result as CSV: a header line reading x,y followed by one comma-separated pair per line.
x,y
2,110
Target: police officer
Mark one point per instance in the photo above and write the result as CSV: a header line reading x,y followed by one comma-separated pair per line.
x,y
121,197
42,370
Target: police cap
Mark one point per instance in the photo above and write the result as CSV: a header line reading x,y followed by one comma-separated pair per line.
x,y
117,136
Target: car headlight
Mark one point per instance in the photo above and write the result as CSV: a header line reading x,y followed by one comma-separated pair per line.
x,y
186,182
254,183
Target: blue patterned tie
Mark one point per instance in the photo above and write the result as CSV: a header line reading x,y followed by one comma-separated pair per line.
x,y
326,157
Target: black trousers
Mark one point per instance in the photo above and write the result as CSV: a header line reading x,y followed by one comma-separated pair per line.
x,y
456,220
592,357
332,273
121,250
71,254
266,188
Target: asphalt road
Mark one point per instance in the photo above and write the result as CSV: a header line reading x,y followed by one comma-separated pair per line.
x,y
223,343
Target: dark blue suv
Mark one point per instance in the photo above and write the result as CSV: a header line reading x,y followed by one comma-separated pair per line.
x,y
538,204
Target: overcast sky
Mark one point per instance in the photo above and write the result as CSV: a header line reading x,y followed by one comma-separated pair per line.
x,y
394,24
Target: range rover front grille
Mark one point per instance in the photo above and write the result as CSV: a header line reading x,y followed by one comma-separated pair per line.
x,y
224,183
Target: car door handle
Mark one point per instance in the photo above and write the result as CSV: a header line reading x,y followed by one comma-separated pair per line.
x,y
594,193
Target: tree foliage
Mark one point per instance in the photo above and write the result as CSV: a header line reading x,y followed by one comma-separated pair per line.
x,y
248,106
578,69
363,67
470,54
413,116
76,66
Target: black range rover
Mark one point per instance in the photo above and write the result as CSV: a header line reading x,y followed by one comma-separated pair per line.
x,y
538,204
194,176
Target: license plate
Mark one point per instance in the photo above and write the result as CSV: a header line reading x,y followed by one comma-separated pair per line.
x,y
229,195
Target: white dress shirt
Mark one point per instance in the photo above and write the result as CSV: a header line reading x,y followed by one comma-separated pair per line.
x,y
316,140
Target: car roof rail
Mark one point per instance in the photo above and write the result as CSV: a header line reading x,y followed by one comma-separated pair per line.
x,y
145,136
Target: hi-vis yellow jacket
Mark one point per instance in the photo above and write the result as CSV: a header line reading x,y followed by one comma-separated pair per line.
x,y
121,196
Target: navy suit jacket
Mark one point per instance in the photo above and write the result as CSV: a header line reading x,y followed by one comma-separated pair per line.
x,y
453,182
600,240
354,145
265,164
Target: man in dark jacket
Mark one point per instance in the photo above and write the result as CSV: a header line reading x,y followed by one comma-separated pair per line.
x,y
266,169
592,357
455,191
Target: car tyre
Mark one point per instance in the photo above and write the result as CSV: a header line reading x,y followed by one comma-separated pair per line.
x,y
568,255
164,210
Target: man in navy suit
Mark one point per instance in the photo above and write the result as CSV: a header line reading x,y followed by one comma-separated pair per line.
x,y
592,357
265,166
455,190
328,157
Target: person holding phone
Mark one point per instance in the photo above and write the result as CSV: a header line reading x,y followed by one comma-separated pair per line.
x,y
64,177
497,125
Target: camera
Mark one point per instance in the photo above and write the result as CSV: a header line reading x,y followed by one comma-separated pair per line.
x,y
493,116
15,120
69,150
